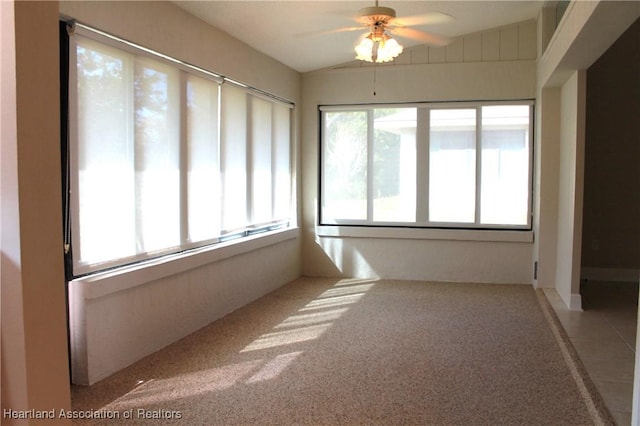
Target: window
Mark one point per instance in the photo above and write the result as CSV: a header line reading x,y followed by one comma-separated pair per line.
x,y
462,165
165,157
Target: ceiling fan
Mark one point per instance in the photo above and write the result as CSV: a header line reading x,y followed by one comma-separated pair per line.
x,y
378,46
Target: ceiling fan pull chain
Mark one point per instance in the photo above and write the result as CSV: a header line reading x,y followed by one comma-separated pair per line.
x,y
374,78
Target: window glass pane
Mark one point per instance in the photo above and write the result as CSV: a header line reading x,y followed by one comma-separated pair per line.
x,y
452,165
282,162
157,155
505,165
106,196
261,160
234,157
204,208
162,157
394,165
345,165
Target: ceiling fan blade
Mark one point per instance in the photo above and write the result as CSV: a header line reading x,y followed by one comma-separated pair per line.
x,y
333,31
425,37
426,19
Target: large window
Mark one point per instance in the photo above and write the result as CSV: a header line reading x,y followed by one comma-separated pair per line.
x,y
462,165
165,157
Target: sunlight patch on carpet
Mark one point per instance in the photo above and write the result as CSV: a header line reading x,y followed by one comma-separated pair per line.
x,y
311,318
273,368
287,337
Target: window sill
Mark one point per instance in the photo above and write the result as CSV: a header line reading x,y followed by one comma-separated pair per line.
x,y
113,281
513,236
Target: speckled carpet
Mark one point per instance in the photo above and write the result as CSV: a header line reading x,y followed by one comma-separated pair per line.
x,y
350,352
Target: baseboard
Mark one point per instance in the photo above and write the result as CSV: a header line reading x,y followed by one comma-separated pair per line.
x,y
575,302
610,274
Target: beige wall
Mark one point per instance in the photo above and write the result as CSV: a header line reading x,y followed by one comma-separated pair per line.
x,y
34,338
570,189
546,170
611,235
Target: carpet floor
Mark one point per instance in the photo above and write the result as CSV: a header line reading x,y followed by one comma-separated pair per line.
x,y
350,352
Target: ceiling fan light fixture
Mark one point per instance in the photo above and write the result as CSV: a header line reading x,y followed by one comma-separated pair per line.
x,y
378,48
389,50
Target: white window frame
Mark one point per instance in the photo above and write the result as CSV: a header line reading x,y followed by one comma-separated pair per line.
x,y
227,237
351,227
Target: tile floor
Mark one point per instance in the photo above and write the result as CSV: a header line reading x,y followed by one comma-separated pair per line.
x,y
604,336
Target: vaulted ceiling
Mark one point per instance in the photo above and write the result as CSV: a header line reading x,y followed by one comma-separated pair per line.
x,y
302,34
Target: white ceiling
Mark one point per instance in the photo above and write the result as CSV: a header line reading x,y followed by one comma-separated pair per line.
x,y
297,33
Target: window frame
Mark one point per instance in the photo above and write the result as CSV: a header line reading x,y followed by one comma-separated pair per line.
x,y
422,169
226,237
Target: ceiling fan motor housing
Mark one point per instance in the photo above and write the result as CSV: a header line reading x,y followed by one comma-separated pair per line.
x,y
376,15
